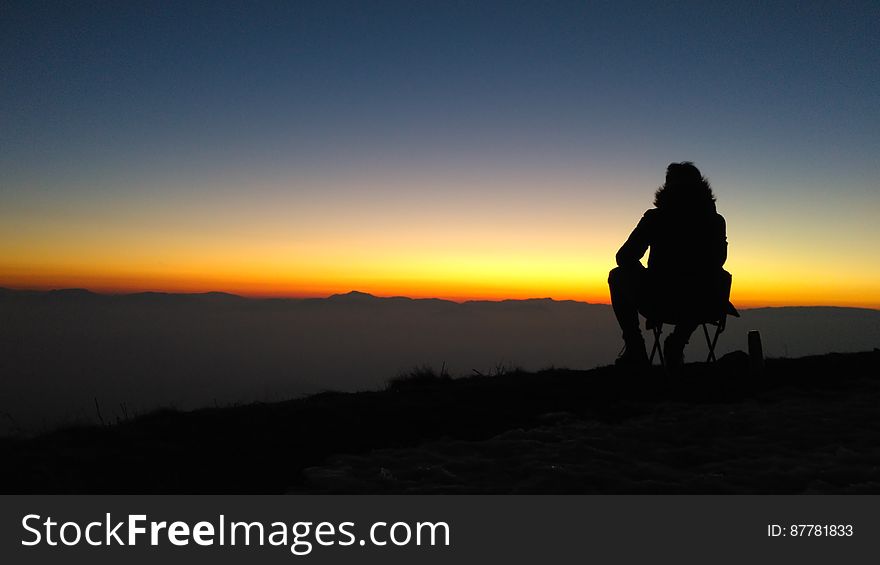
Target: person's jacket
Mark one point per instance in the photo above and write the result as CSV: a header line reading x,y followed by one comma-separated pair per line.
x,y
684,243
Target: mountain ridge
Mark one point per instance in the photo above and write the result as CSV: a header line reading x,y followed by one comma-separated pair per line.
x,y
354,296
61,352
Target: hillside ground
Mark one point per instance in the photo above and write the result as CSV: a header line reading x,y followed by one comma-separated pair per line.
x,y
803,425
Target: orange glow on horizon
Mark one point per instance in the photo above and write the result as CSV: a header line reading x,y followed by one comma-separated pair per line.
x,y
745,294
454,240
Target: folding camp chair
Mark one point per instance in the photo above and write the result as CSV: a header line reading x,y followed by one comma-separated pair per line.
x,y
715,309
720,323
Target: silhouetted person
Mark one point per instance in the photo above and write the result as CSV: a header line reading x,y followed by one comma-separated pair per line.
x,y
684,279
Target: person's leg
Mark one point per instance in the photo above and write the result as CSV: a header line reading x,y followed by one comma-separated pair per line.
x,y
682,332
673,347
626,286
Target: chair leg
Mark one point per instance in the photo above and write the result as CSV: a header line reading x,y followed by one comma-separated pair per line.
x,y
718,330
658,329
711,342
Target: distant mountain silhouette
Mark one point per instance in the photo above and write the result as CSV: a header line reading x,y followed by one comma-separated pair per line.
x,y
357,297
61,352
352,296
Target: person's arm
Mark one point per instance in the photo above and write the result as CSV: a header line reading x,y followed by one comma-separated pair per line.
x,y
637,243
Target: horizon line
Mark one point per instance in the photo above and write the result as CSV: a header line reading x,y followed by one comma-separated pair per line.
x,y
371,295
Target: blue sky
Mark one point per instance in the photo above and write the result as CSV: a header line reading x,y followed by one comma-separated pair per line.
x,y
136,106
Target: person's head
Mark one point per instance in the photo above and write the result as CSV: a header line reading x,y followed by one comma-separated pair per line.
x,y
685,189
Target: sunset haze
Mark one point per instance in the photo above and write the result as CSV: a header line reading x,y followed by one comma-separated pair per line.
x,y
433,149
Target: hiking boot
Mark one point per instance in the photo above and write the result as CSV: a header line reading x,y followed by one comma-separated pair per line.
x,y
673,352
633,353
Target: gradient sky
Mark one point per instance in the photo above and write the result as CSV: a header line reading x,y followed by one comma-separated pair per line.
x,y
451,149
